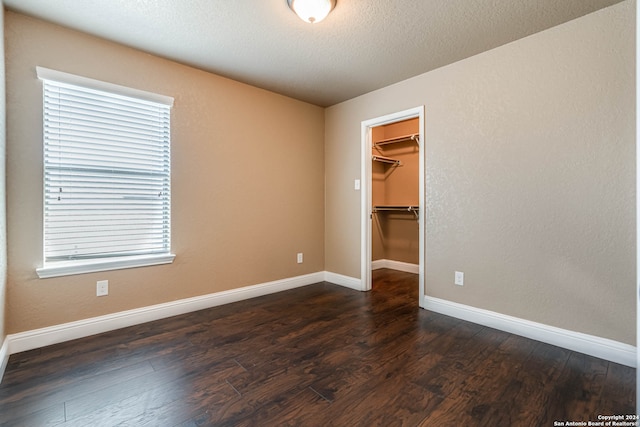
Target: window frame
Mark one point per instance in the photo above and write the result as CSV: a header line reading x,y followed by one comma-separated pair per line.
x,y
80,266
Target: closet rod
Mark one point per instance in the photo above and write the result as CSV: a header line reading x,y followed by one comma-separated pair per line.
x,y
386,160
412,209
396,208
411,137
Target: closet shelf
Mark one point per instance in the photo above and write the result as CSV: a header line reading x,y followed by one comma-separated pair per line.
x,y
411,137
384,159
407,208
397,208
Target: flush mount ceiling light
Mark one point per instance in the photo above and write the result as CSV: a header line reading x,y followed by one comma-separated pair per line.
x,y
312,11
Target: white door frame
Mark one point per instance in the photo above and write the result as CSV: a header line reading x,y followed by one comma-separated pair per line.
x,y
366,214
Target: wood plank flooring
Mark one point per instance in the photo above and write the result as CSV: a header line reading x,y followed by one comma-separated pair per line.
x,y
321,355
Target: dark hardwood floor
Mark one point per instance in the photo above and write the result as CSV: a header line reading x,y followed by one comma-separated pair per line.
x,y
321,355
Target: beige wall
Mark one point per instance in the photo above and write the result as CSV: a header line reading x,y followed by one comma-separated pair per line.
x,y
3,210
530,178
247,180
530,174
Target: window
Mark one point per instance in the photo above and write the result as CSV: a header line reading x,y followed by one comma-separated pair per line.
x,y
107,176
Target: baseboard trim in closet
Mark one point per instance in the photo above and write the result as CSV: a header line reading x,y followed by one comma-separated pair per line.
x,y
603,348
29,340
395,265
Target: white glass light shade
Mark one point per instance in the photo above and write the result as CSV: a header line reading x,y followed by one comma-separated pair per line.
x,y
312,11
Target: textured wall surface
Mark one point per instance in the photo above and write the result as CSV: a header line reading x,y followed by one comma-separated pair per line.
x,y
530,175
247,180
3,209
530,178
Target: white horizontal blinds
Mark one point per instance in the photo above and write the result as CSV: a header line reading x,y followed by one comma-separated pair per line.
x,y
106,172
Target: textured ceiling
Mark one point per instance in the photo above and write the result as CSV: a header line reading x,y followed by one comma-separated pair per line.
x,y
363,45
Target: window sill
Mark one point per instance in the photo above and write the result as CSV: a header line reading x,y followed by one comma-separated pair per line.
x,y
68,268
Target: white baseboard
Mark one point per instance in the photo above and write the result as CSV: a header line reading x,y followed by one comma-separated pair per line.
x,y
378,264
395,265
37,338
4,357
346,281
603,348
595,346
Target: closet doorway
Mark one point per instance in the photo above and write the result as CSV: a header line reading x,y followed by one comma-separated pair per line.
x,y
393,195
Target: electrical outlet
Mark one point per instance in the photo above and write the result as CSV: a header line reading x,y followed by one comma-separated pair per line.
x,y
102,288
300,258
459,278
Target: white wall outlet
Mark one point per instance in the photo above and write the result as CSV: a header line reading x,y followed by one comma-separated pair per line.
x,y
300,258
102,288
356,184
459,278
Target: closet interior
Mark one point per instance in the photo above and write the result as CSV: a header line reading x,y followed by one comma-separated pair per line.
x,y
395,194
